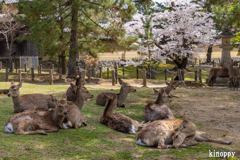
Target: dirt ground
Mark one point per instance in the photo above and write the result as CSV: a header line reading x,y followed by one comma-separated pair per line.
x,y
216,112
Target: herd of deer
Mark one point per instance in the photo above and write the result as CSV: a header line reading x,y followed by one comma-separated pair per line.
x,y
39,114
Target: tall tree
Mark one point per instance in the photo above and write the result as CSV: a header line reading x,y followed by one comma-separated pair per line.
x,y
180,31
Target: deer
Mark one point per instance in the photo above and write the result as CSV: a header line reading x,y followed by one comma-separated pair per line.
x,y
71,92
37,121
157,110
74,117
117,121
172,133
121,97
233,74
217,72
170,86
28,102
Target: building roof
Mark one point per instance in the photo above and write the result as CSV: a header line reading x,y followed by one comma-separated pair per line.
x,y
11,1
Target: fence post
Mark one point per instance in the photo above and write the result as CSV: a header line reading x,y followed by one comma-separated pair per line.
x,y
144,78
60,73
0,65
113,78
137,72
16,69
51,76
199,62
150,72
93,72
107,73
200,75
52,67
123,73
182,74
88,74
195,61
32,73
12,67
165,72
25,67
83,73
195,75
116,74
40,69
179,74
19,75
6,74
172,76
100,72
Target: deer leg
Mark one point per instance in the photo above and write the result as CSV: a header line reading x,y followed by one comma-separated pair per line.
x,y
162,145
52,129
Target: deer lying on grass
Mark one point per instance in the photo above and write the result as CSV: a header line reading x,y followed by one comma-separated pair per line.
x,y
157,110
71,92
121,97
172,133
74,117
217,72
38,122
233,74
170,86
28,102
117,121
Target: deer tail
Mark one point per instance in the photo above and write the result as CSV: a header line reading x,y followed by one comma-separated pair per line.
x,y
205,139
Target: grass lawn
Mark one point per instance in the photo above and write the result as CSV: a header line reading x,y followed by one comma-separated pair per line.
x,y
94,141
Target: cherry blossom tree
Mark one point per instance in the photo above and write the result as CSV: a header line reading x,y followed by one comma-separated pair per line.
x,y
179,32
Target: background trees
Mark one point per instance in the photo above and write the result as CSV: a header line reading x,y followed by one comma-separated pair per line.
x,y
73,27
178,31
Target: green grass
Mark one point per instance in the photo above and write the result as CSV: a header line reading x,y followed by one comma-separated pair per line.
x,y
95,141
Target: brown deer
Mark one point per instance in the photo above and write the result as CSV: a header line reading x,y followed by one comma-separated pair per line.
x,y
121,97
233,74
27,102
172,133
217,72
74,117
117,121
170,86
71,92
38,122
157,110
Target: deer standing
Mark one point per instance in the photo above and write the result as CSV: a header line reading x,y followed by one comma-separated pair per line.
x,y
117,121
38,122
157,110
172,133
28,102
233,74
121,97
217,72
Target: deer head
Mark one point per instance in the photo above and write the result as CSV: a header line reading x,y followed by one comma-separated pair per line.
x,y
127,86
60,105
111,104
162,96
186,129
14,89
229,63
171,86
85,94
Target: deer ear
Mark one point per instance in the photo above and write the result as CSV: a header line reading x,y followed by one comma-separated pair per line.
x,y
106,96
115,96
74,87
12,83
183,125
64,97
155,90
54,100
167,83
162,91
120,81
20,84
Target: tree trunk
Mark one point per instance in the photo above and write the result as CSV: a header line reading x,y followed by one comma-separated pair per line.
x,y
73,41
182,64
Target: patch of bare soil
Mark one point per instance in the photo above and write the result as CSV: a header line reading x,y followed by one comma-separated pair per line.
x,y
216,112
